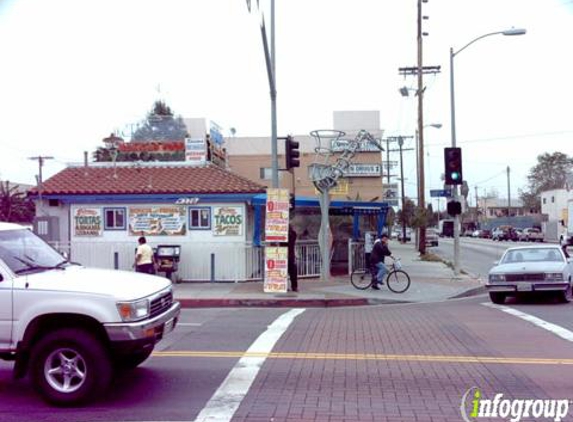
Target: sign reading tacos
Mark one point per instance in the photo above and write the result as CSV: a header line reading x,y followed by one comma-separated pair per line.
x,y
87,222
157,221
228,221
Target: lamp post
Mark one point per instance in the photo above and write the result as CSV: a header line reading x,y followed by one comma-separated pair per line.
x,y
508,32
421,179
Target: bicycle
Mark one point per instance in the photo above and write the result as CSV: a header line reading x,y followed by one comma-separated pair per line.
x,y
397,280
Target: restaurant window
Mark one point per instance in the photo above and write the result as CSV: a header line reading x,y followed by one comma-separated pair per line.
x,y
114,218
200,218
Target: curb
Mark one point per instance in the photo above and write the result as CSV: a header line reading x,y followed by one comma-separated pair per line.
x,y
471,292
270,303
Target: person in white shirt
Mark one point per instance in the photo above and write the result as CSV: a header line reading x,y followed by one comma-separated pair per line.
x,y
144,258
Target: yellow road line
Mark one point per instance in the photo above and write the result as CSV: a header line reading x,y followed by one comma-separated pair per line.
x,y
366,356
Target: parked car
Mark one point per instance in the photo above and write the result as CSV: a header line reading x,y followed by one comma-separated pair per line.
x,y
485,234
531,269
504,233
431,236
408,235
532,235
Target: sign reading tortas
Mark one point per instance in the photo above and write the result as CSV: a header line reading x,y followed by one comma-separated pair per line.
x,y
87,222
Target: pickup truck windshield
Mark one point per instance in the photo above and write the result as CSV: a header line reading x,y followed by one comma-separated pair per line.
x,y
23,251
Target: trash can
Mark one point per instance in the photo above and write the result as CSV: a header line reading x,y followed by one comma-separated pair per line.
x,y
167,258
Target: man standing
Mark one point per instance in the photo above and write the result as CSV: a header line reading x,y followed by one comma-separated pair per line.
x,y
144,259
379,252
292,270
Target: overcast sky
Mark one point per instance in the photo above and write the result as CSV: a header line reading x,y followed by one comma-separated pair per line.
x,y
73,71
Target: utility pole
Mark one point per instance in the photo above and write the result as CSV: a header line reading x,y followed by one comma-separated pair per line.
x,y
39,179
40,159
508,194
419,70
477,205
401,149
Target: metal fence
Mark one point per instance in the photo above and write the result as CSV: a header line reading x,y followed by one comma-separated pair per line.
x,y
199,262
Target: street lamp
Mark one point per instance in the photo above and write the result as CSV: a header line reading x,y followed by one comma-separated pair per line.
x,y
508,32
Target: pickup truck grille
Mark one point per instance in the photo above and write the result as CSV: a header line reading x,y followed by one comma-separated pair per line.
x,y
525,277
161,304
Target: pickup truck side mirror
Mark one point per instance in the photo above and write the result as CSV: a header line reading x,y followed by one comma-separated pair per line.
x,y
495,263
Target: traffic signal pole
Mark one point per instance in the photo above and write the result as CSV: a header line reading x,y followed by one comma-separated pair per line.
x,y
455,190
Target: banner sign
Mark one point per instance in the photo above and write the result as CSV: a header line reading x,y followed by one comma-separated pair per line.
x,y
340,145
363,170
195,150
87,222
228,221
276,222
342,188
276,270
171,146
165,220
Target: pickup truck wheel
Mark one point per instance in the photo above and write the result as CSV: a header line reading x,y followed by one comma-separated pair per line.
x,y
133,360
498,298
69,367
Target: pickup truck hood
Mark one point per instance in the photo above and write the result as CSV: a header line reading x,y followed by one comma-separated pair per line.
x,y
122,285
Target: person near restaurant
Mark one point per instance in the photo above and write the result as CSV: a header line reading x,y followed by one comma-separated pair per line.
x,y
144,257
292,269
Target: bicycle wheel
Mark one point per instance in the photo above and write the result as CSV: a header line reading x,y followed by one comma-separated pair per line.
x,y
361,279
398,281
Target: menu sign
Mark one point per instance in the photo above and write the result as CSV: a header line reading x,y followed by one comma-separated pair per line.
x,y
167,220
276,223
87,222
276,269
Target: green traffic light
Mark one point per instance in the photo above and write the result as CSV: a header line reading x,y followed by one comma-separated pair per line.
x,y
455,176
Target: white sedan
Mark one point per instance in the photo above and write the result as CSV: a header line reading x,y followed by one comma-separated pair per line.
x,y
531,269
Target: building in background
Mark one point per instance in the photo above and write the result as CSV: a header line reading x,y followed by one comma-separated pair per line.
x,y
251,158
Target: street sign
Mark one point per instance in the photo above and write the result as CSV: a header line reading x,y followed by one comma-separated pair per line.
x,y
437,193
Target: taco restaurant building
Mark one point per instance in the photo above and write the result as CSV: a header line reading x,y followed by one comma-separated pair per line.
x,y
97,213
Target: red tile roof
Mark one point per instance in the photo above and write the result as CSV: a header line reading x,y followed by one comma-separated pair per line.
x,y
149,180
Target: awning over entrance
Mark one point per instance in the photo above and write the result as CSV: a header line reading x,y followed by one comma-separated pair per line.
x,y
337,207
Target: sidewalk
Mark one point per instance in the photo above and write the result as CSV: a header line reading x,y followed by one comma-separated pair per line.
x,y
431,282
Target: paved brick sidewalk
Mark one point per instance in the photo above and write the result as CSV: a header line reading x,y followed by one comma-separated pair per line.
x,y
431,282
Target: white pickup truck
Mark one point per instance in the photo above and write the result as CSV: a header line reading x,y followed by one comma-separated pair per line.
x,y
69,327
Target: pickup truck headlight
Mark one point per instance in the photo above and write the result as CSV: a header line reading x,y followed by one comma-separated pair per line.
x,y
133,311
493,278
553,276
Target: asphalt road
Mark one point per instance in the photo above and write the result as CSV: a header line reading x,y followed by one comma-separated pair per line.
x,y
477,256
379,363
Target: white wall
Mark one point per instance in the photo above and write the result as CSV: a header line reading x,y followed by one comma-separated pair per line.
x,y
231,253
554,202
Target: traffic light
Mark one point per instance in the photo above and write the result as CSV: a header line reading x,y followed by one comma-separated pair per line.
x,y
453,166
292,153
454,208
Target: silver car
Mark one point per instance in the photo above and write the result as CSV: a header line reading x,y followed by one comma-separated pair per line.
x,y
531,269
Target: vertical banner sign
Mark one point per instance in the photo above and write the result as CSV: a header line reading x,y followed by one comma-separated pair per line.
x,y
87,222
276,271
276,225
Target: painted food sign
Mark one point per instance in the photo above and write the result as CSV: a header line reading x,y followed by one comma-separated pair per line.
x,y
276,269
157,221
276,222
228,221
87,222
